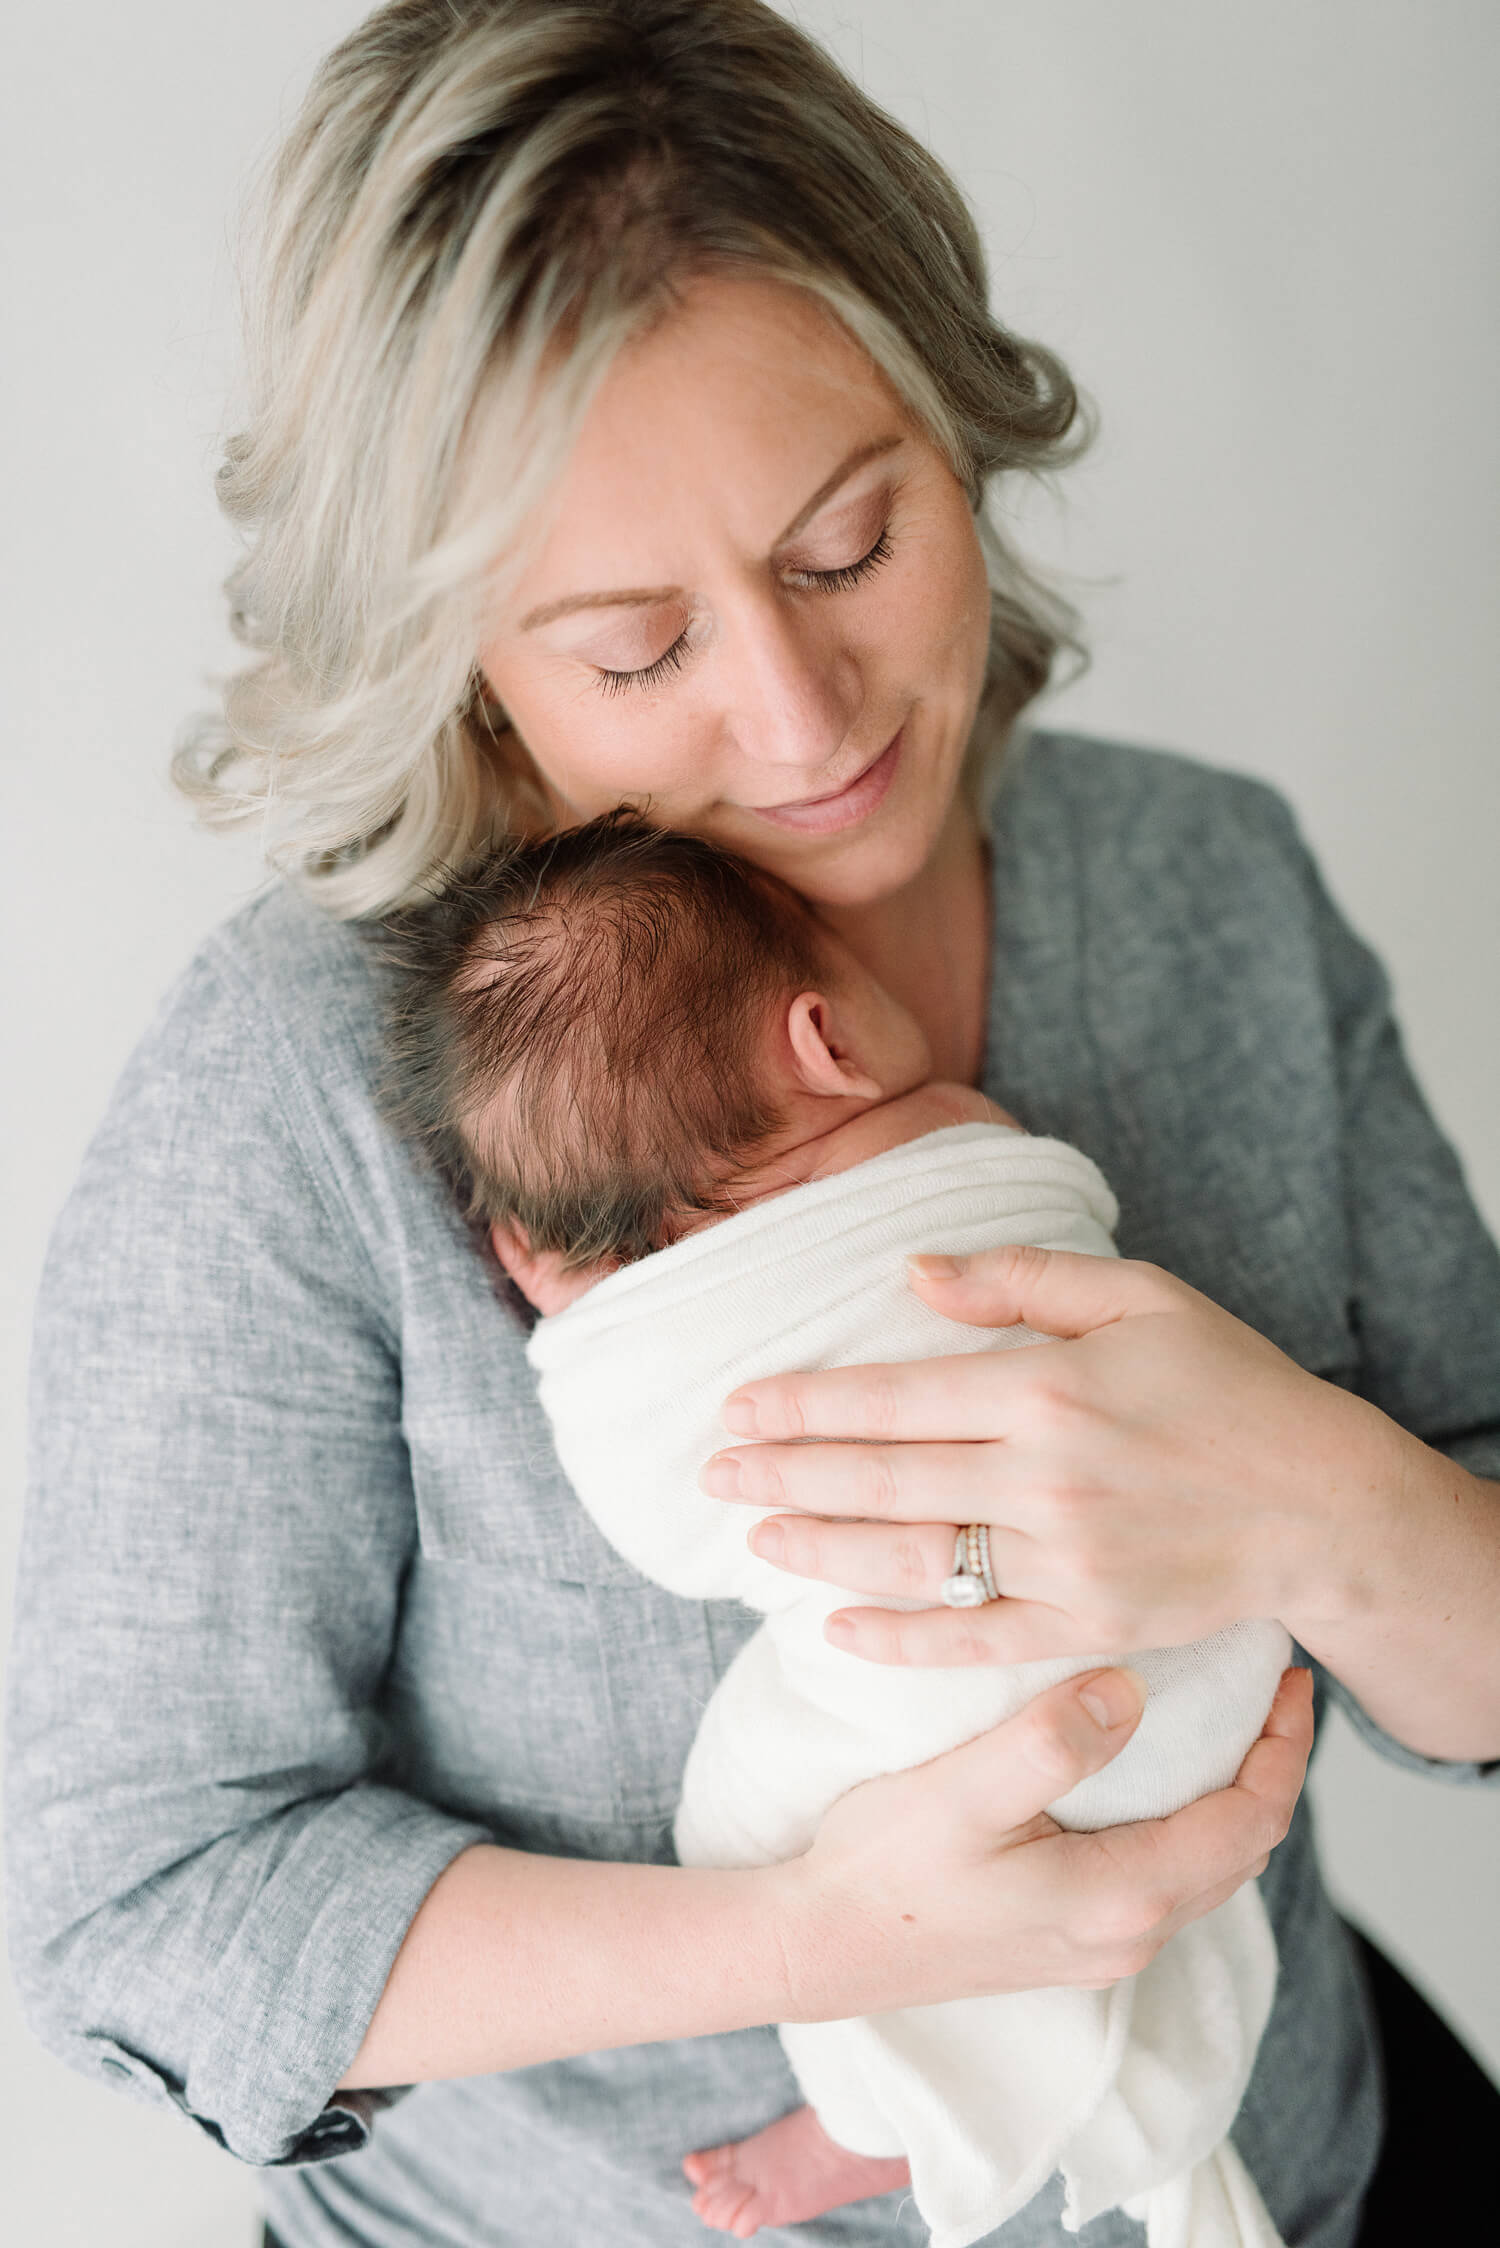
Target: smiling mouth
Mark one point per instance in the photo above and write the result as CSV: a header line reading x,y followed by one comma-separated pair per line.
x,y
823,815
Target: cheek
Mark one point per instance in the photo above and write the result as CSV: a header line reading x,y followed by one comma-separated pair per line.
x,y
958,592
593,749
932,623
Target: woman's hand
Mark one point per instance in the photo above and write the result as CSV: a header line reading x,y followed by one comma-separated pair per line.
x,y
1160,1474
948,1881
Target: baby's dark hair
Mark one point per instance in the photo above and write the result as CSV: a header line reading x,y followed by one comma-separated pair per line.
x,y
576,1029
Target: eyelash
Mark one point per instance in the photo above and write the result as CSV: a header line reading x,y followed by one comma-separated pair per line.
x,y
840,581
825,581
651,674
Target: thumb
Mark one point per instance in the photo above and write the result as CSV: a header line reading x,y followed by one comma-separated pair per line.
x,y
1014,1771
1054,1291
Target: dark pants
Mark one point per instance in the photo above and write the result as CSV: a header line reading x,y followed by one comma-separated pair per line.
x,y
1442,2111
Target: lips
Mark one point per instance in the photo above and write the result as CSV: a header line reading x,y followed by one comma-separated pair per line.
x,y
825,815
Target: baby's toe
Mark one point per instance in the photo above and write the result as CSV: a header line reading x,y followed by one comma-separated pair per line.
x,y
728,2205
707,2163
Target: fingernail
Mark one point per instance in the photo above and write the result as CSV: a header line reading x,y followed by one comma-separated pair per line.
x,y
839,1627
768,1539
720,1476
739,1413
1114,1697
938,1268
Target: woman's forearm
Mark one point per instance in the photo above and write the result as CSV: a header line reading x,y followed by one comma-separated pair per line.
x,y
1406,1610
514,1959
941,1881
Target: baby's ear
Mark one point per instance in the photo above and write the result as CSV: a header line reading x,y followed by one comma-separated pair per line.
x,y
825,1064
540,1275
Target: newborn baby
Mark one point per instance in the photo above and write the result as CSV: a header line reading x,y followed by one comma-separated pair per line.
x,y
720,1138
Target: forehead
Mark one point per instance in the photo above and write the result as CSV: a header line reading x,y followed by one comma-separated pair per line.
x,y
719,422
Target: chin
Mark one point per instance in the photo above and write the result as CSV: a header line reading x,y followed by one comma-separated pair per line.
x,y
861,873
862,866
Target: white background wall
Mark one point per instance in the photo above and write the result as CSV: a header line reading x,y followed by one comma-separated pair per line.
x,y
1264,236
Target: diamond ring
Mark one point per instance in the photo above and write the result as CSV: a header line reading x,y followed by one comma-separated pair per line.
x,y
972,1583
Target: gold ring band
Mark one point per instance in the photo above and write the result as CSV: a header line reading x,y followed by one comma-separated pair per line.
x,y
972,1584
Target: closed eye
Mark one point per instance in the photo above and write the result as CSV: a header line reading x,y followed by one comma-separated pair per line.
x,y
850,573
650,675
671,659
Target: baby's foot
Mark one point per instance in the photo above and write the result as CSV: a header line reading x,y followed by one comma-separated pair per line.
x,y
790,2171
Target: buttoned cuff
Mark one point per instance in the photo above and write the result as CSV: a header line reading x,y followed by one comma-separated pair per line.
x,y
290,1999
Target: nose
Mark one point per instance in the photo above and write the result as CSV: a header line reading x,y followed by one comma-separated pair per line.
x,y
792,689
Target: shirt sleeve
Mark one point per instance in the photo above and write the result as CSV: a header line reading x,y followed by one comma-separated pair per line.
x,y
207,1880
1425,1287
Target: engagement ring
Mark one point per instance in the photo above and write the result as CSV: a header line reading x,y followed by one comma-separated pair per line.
x,y
972,1583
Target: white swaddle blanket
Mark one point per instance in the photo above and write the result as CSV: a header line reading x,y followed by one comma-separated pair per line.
x,y
1130,2091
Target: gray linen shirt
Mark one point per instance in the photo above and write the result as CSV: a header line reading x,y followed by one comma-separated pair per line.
x,y
306,1606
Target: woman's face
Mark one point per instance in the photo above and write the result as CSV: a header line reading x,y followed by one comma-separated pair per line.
x,y
757,603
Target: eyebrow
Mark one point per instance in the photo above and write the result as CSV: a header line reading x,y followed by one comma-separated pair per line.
x,y
647,596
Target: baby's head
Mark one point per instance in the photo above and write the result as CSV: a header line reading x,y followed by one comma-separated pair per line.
x,y
619,1033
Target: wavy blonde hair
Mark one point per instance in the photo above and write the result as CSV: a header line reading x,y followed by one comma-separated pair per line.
x,y
478,204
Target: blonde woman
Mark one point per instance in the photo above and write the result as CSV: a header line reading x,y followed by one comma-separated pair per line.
x,y
626,398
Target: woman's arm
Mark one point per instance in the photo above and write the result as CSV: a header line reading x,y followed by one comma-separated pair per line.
x,y
1411,1627
936,1883
206,1883
1159,1475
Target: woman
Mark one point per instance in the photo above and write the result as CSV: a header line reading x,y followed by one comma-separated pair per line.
x,y
625,396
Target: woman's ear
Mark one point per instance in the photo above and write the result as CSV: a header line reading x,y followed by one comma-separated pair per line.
x,y
825,1064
